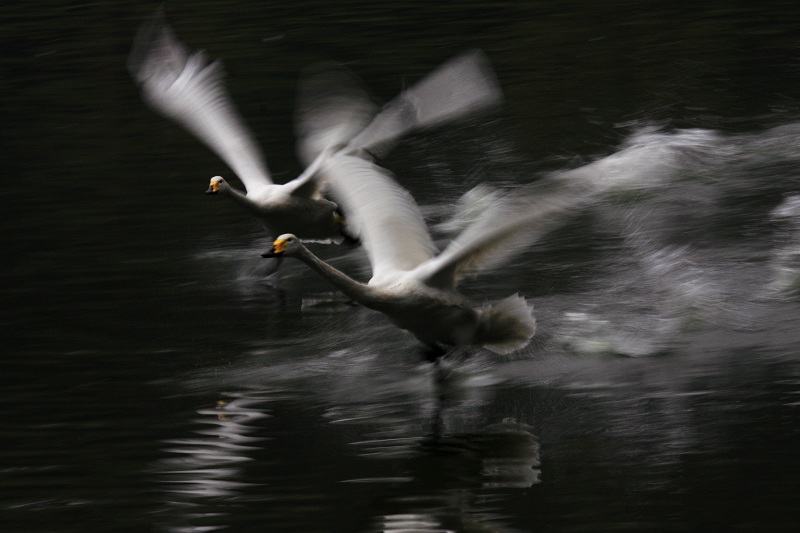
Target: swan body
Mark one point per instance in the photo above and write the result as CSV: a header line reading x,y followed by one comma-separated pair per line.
x,y
413,285
317,219
432,315
186,88
183,86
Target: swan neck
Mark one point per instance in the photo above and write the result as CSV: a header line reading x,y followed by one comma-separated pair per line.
x,y
351,288
236,195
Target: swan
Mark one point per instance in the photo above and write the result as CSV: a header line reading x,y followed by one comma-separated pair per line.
x,y
186,88
183,86
411,284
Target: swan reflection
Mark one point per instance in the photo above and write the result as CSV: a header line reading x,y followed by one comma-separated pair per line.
x,y
418,460
448,479
211,465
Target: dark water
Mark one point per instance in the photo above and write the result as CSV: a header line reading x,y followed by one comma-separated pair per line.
x,y
154,381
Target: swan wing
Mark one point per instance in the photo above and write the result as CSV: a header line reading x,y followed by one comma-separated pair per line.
x,y
383,214
308,183
334,114
186,88
510,224
332,107
465,84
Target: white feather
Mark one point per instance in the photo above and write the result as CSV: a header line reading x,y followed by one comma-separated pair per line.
x,y
334,116
188,89
414,287
384,215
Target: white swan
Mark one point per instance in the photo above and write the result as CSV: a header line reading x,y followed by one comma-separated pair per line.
x,y
412,285
186,88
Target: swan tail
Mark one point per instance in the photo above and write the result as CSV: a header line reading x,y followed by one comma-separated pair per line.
x,y
507,325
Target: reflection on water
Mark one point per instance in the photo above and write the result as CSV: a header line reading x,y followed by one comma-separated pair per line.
x,y
450,477
423,475
204,475
209,465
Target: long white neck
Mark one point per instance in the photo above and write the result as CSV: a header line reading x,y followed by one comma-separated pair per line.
x,y
360,292
237,196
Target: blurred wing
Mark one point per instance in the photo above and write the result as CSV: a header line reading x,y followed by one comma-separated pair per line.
x,y
335,114
512,223
463,85
308,183
381,213
185,88
332,108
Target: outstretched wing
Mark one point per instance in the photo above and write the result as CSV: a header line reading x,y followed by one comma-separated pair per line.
x,y
382,214
332,107
335,111
512,222
186,88
461,86
336,116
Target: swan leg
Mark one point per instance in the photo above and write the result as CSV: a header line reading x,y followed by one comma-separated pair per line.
x,y
445,364
441,373
436,354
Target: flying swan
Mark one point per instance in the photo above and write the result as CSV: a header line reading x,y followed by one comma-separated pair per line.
x,y
412,285
184,87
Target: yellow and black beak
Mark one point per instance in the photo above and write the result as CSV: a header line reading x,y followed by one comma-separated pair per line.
x,y
278,247
213,188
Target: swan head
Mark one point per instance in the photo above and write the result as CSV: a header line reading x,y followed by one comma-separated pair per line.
x,y
217,184
286,244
